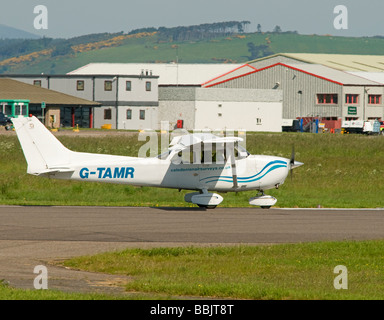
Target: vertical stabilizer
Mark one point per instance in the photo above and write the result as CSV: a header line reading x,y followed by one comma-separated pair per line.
x,y
41,148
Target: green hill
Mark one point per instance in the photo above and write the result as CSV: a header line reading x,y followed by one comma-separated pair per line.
x,y
58,57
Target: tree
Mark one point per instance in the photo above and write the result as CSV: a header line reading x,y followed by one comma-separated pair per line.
x,y
259,28
259,51
277,29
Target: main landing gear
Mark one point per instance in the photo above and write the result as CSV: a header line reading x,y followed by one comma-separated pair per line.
x,y
204,199
262,200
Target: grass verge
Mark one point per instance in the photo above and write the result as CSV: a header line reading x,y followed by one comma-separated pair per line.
x,y
289,271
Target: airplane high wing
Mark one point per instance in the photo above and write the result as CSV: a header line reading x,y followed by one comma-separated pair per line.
x,y
201,162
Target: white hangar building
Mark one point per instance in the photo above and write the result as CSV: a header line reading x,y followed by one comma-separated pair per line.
x,y
221,108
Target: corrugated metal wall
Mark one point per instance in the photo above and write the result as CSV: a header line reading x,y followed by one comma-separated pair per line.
x,y
299,91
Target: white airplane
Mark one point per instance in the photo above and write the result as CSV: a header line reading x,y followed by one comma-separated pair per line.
x,y
198,162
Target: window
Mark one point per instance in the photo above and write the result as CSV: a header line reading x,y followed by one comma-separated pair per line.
x,y
80,85
352,98
128,86
129,114
148,86
17,109
37,83
374,99
326,98
23,110
107,85
7,110
142,114
258,121
108,114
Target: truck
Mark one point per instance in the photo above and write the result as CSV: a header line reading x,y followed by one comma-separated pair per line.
x,y
360,126
291,125
5,122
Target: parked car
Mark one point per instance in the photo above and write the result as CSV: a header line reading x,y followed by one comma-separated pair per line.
x,y
5,121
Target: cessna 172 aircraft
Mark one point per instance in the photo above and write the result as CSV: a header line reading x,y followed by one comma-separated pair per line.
x,y
200,162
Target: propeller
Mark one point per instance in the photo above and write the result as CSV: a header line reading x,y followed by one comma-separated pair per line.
x,y
292,163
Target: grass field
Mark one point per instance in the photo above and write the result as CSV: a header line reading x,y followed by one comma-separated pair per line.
x,y
343,171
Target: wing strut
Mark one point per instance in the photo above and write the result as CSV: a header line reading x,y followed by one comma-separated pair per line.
x,y
231,154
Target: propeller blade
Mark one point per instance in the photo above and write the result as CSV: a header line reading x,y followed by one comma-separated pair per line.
x,y
292,162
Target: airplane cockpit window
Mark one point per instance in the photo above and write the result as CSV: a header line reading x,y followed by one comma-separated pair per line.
x,y
216,153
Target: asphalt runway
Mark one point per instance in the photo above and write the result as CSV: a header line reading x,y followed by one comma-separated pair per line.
x,y
31,236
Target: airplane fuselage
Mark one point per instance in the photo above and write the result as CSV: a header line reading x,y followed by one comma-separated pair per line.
x,y
253,173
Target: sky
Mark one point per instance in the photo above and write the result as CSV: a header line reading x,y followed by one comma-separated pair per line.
x,y
72,18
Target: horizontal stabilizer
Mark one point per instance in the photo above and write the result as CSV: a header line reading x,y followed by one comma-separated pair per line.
x,y
54,171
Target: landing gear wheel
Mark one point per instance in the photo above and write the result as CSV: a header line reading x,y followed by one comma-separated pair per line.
x,y
206,207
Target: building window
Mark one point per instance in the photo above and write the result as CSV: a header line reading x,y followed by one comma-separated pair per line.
x,y
374,99
258,121
37,83
326,98
107,85
352,98
142,114
148,86
129,114
108,114
128,86
80,85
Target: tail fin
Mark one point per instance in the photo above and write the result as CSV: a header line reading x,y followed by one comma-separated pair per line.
x,y
42,150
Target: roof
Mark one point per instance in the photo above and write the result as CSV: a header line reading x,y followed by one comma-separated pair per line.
x,y
242,70
169,73
344,62
373,76
12,90
319,71
333,75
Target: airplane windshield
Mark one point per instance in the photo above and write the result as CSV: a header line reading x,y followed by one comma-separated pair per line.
x,y
164,155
